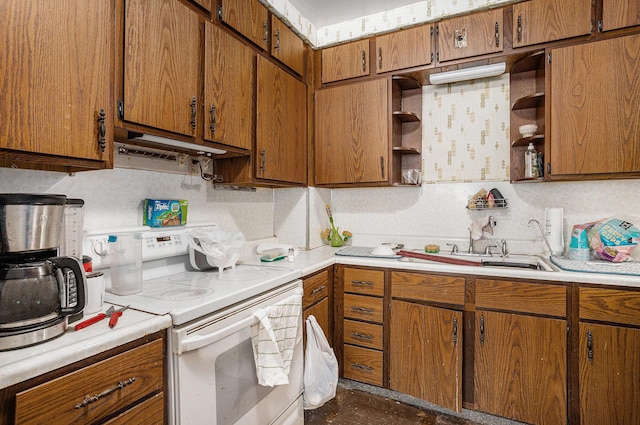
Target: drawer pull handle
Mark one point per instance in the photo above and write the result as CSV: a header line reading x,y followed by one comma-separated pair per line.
x,y
362,283
92,399
362,310
361,367
319,289
361,336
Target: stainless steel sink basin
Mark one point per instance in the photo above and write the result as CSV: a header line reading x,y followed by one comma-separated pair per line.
x,y
512,261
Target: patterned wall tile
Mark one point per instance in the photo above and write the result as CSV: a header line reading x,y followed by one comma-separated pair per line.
x,y
466,131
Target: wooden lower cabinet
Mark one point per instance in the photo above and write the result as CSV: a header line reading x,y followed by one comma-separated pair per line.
x,y
520,367
426,353
121,386
317,301
609,375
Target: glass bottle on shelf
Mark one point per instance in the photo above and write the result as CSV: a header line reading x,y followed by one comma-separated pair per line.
x,y
530,162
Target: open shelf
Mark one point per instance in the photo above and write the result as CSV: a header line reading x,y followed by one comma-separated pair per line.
x,y
405,116
531,101
406,150
524,141
406,83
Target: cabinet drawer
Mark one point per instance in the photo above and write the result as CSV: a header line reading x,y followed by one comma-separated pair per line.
x,y
363,308
363,364
422,287
149,412
610,305
364,334
316,287
59,397
521,297
369,282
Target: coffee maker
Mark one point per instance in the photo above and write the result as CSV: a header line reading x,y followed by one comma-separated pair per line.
x,y
39,290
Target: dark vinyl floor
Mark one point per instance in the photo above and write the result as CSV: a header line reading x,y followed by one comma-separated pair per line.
x,y
355,407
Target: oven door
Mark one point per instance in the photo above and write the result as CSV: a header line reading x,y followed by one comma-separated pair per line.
x,y
212,373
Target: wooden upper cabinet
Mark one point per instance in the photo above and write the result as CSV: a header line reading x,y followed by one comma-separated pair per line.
x,y
281,127
595,92
249,17
404,49
205,4
352,133
620,14
345,61
541,21
286,46
470,35
161,64
229,83
57,77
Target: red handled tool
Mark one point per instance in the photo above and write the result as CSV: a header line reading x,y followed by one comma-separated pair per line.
x,y
111,312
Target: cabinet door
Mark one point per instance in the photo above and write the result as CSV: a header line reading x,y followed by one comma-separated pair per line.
x,y
57,76
286,46
470,35
426,348
161,63
320,311
540,21
609,375
404,49
352,133
229,89
620,14
520,367
249,17
345,61
281,128
595,92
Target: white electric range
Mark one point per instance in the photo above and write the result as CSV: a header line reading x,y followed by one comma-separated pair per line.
x,y
211,367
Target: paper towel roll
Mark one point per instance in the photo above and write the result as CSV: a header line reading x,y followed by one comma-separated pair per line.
x,y
554,220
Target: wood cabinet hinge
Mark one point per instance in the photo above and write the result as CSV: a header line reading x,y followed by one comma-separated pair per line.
x,y
120,110
220,12
549,57
600,25
548,168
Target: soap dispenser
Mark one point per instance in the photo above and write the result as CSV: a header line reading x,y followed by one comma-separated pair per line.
x,y
530,162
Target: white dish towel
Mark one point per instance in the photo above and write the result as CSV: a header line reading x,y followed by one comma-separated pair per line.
x,y
274,337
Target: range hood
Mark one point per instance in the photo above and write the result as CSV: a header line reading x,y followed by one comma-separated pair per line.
x,y
172,143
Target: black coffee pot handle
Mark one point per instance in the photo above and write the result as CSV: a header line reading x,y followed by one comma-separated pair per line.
x,y
74,265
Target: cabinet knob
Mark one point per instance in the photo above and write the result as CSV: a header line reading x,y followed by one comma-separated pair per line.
x,y
193,105
379,57
212,111
364,61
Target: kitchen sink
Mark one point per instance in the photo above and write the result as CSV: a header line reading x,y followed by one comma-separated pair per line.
x,y
512,261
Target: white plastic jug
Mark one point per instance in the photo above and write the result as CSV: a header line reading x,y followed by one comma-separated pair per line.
x,y
126,263
554,222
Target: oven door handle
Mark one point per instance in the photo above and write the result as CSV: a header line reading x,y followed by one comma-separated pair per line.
x,y
195,341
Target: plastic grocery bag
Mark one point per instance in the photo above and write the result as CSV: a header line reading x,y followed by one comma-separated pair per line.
x,y
320,367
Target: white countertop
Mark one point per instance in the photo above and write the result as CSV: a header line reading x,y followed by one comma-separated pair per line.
x,y
22,364
25,363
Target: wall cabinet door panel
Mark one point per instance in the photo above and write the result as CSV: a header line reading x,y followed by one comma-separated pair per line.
x,y
595,93
404,49
249,17
620,14
541,21
281,127
229,89
352,133
57,75
286,46
345,61
161,64
470,35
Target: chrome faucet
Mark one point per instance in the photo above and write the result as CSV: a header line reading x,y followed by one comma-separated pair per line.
x,y
491,223
544,237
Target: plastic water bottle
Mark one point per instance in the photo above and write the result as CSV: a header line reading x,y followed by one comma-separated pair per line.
x,y
530,162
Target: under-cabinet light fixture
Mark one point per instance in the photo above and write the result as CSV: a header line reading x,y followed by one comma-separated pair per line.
x,y
465,74
179,144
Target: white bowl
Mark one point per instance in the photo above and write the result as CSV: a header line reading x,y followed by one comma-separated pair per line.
x,y
382,251
528,130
